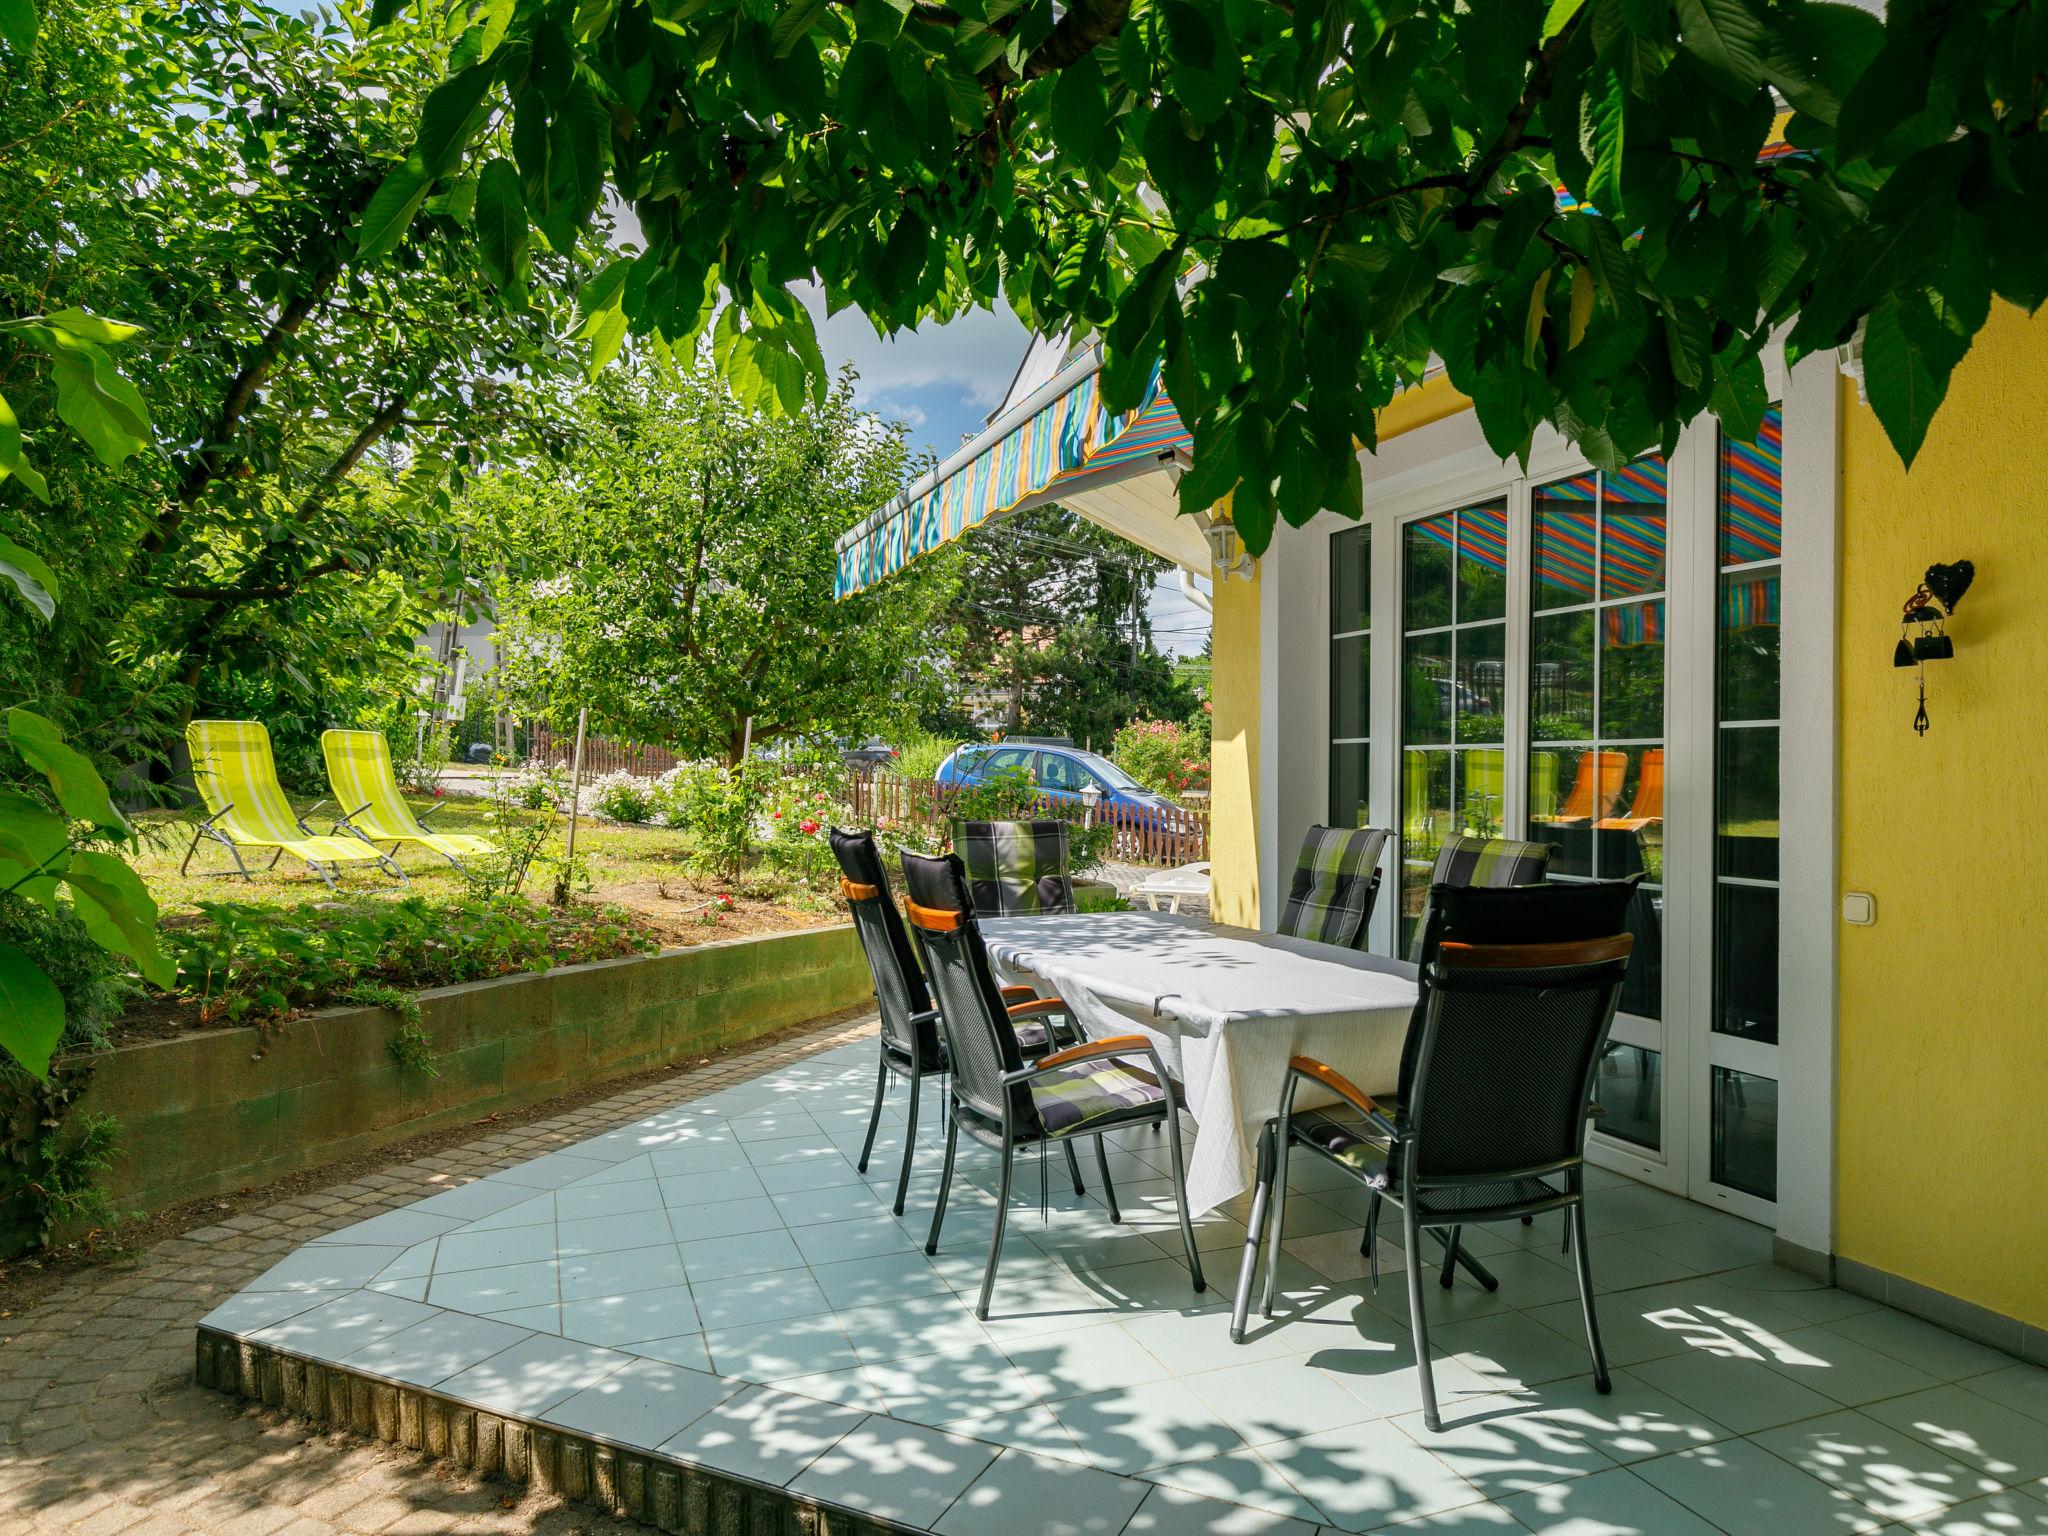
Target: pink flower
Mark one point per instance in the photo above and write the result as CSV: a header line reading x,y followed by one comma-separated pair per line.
x,y
439,791
807,826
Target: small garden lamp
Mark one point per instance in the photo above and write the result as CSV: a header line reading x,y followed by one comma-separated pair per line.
x,y
1091,797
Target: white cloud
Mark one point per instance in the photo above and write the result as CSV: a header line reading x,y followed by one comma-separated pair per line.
x,y
976,354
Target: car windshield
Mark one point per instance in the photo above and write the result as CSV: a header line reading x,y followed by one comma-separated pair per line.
x,y
1109,773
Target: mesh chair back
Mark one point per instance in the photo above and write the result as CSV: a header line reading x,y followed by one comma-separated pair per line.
x,y
1016,868
980,1043
1504,1071
1516,914
1491,862
1335,880
899,984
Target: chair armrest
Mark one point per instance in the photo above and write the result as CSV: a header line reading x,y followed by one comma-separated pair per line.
x,y
1088,1050
1015,992
421,816
1038,1005
351,816
928,1016
1338,1084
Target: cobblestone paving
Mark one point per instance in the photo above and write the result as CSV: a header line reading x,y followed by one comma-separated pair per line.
x,y
102,1432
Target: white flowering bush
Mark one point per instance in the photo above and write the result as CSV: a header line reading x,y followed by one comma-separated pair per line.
x,y
534,786
621,796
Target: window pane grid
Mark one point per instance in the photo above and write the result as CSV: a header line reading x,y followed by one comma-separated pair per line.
x,y
1350,675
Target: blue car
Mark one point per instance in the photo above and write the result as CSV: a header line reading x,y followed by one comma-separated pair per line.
x,y
1061,770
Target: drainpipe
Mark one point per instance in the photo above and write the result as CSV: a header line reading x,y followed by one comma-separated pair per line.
x,y
1193,593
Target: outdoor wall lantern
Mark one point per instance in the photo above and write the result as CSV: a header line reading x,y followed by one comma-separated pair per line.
x,y
1923,624
1226,549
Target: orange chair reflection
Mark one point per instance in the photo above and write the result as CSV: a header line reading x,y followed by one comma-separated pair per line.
x,y
1648,809
1595,788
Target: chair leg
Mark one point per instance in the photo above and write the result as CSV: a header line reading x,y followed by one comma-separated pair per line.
x,y
875,1119
1601,1381
931,1244
1279,1222
909,1143
1254,1231
1180,1201
1370,1247
1108,1189
192,850
1411,1236
995,1242
1450,1269
1455,1253
1074,1167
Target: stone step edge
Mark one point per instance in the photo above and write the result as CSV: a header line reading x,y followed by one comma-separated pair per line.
x,y
667,1493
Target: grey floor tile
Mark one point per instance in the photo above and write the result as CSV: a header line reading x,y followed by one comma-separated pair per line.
x,y
878,1281
1703,1247
2011,1513
698,1157
2022,1388
1379,1370
763,1433
758,1298
743,1253
430,1352
819,1173
250,1310
723,1218
607,1196
1743,1392
1934,1350
1744,1490
621,1320
551,1171
1973,1429
643,1403
532,1377
503,1289
1171,1512
951,1388
580,1237
658,1267
344,1325
535,1210
472,1201
326,1267
807,1207
627,1171
1501,1447
1886,1470
1634,1206
1035,1429
1088,1359
1241,1479
683,1349
786,1150
1153,1424
1025,1495
493,1247
849,1388
773,1351
1369,1475
902,1472
1513,1351
416,1261
1633,1422
1189,1342
916,1325
405,1227
1284,1399
1841,1369
545,1318
689,1191
1615,1501
862,1238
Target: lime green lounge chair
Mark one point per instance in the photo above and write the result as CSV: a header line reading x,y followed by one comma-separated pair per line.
x,y
360,776
237,778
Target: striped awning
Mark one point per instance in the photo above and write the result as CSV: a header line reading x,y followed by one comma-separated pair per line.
x,y
1057,442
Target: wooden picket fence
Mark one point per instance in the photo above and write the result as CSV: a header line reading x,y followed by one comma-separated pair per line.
x,y
1162,838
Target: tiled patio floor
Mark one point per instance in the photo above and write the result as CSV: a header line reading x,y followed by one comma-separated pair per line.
x,y
718,1285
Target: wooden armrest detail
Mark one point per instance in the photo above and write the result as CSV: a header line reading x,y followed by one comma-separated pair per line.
x,y
1515,957
1038,1005
1337,1083
933,919
853,890
1088,1050
1015,992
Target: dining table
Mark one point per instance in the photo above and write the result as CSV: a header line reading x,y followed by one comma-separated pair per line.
x,y
1226,1008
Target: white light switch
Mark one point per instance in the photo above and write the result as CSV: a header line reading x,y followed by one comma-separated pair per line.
x,y
1859,907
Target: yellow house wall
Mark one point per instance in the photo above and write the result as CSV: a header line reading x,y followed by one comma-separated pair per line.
x,y
1942,1118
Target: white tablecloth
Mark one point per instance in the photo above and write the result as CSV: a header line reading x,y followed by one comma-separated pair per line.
x,y
1226,1008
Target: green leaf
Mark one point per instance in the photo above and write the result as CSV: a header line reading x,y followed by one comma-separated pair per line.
x,y
1904,390
31,1012
11,461
1605,108
577,143
93,399
1727,37
1080,109
391,211
792,22
73,779
94,328
35,581
501,226
1741,396
31,837
18,24
1559,16
497,20
117,910
450,118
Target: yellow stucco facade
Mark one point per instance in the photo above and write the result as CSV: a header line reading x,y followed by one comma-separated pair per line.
x,y
1234,754
1941,1129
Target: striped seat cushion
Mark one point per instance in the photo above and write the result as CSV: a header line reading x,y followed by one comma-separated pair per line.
x,y
1015,868
1492,861
1331,894
1344,1134
1091,1094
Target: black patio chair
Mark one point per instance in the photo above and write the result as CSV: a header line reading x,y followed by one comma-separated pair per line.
x,y
912,1045
1490,863
1336,881
1495,1093
1017,868
1002,1101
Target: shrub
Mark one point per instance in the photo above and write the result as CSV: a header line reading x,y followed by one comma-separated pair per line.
x,y
921,753
1163,755
723,809
621,797
801,808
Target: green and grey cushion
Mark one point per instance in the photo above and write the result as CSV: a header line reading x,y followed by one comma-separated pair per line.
x,y
1015,868
1487,861
1343,1133
1093,1095
1330,898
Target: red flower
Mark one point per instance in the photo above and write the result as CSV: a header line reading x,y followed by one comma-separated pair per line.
x,y
775,816
807,826
439,791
